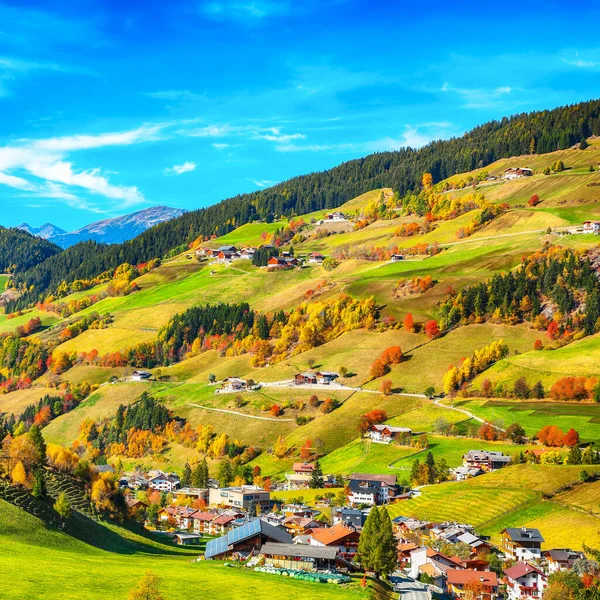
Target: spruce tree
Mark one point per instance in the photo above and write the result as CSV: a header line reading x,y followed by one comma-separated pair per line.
x,y
225,473
316,478
431,470
39,484
368,539
35,435
252,509
200,475
186,478
574,457
384,552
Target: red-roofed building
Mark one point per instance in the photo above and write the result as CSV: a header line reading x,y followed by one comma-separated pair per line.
x,y
342,537
460,584
525,581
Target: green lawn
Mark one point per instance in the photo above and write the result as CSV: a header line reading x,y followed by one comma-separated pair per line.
x,y
41,563
583,417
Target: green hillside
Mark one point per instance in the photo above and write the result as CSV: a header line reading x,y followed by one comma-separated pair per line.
x,y
65,566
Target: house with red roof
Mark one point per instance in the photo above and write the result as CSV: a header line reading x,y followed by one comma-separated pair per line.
x,y
524,581
460,583
344,538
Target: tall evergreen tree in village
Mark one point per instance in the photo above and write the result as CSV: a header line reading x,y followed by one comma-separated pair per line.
x,y
316,477
200,474
186,477
377,545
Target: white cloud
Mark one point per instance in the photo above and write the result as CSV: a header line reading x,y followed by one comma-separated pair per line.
x,y
41,167
186,167
479,97
262,183
581,64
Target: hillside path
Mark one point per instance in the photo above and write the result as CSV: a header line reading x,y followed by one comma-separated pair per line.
x,y
239,414
465,412
502,235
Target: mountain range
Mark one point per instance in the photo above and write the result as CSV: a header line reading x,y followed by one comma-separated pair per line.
x,y
107,231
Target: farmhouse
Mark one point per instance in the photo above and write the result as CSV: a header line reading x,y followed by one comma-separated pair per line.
x,y
524,581
320,377
316,258
591,227
459,581
561,559
299,479
335,217
517,172
227,256
371,489
140,375
249,537
522,544
240,497
248,252
387,433
344,538
233,384
396,257
164,483
282,261
413,530
482,459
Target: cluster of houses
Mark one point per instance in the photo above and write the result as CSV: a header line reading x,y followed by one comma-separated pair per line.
x,y
525,578
315,378
229,254
244,523
152,480
226,254
517,172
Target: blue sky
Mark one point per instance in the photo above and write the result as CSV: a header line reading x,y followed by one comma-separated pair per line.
x,y
111,107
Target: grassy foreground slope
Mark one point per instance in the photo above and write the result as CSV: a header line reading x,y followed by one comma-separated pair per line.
x,y
48,564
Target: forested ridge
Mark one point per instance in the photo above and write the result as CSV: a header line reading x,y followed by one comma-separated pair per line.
x,y
20,250
537,132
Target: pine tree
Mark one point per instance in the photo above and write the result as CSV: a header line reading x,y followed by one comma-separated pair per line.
x,y
35,435
200,475
316,478
186,478
368,539
252,509
384,552
39,484
431,469
225,473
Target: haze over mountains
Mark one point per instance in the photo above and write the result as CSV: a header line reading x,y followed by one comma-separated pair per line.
x,y
108,231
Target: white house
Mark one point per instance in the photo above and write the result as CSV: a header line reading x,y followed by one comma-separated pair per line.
x,y
517,172
386,433
525,581
371,489
335,217
140,375
591,227
164,483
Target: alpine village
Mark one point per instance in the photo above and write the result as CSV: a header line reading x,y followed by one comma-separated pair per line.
x,y
376,381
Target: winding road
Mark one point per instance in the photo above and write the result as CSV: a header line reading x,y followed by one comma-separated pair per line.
x,y
239,414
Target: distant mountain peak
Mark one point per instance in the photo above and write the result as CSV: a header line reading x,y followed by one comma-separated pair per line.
x,y
107,231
